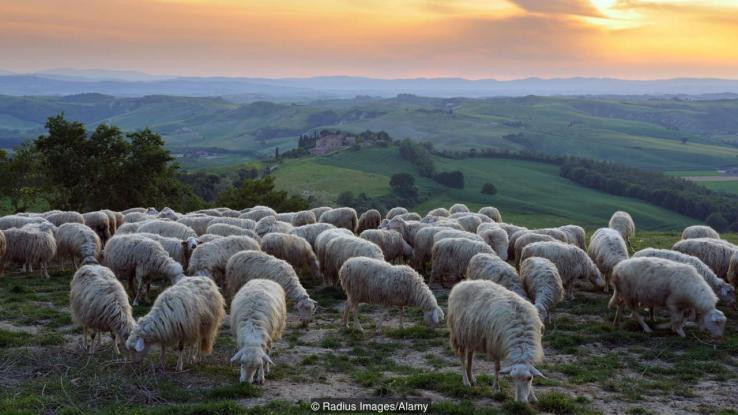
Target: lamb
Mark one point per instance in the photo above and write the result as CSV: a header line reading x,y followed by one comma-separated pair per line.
x,y
715,253
451,256
247,266
179,250
270,224
724,291
344,217
198,223
575,235
699,231
572,263
391,244
493,268
258,318
439,212
257,213
304,217
224,229
134,217
340,249
374,281
78,242
100,223
542,283
60,218
187,314
395,211
310,232
486,317
458,207
30,245
136,256
210,259
293,249
491,212
169,229
99,303
368,220
655,282
623,223
606,248
241,223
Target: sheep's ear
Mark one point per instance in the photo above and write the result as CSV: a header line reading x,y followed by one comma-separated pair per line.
x,y
236,357
537,372
139,346
506,370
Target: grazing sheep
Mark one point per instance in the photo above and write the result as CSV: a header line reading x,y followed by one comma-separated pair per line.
x,y
454,233
368,220
344,217
112,222
169,229
715,253
339,250
310,232
135,217
724,291
136,256
423,249
257,213
374,281
317,211
18,221
491,212
410,216
656,282
99,303
100,223
224,229
496,239
77,241
285,217
134,210
198,223
241,223
606,248
304,217
187,314
209,212
210,258
407,229
269,224
450,257
168,213
575,235
246,266
441,212
488,318
179,250
542,283
699,231
623,223
209,237
293,249
321,244
527,239
258,318
30,245
60,218
572,262
128,228
511,229
458,208
391,244
492,268
469,223
395,211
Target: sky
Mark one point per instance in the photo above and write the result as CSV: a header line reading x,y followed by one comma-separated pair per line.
x,y
474,39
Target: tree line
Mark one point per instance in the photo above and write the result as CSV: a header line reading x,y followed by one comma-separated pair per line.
x,y
420,154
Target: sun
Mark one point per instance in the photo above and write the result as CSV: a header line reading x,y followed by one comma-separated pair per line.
x,y
603,4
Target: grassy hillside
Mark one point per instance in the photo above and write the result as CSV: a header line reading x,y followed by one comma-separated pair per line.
x,y
529,193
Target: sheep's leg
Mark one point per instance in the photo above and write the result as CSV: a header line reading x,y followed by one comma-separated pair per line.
x,y
180,358
356,318
469,372
93,343
75,262
163,357
242,379
44,270
677,320
618,311
637,317
496,385
532,395
84,338
116,350
378,322
346,311
402,316
464,373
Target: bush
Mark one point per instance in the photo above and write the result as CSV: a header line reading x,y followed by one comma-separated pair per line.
x,y
717,221
489,189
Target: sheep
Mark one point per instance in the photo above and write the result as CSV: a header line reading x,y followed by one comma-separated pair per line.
x,y
179,250
340,249
78,242
317,211
715,253
100,223
286,217
18,221
258,318
491,212
293,249
224,229
368,220
511,229
168,228
209,212
127,228
527,239
270,224
310,232
168,213
423,249
246,266
374,281
344,217
111,220
303,217
99,303
623,223
414,216
134,210
229,213
470,223
572,263
134,217
654,282
60,218
493,268
395,211
486,317
322,240
606,248
451,256
187,314
542,284
29,245
438,212
724,291
699,231
391,244
241,223
198,223
258,212
575,235
137,256
407,229
496,239
457,208
210,259
210,237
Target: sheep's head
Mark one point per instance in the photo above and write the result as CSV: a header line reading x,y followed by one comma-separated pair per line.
x,y
254,364
137,346
305,309
713,322
522,375
726,294
595,277
433,317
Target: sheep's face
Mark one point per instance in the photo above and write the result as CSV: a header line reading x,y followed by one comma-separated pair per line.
x,y
713,323
433,317
254,364
597,280
306,309
726,293
522,375
138,348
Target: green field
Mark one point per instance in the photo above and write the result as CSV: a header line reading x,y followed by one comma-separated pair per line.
x,y
529,193
717,185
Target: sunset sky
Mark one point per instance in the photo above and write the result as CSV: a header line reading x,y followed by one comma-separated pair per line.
x,y
503,39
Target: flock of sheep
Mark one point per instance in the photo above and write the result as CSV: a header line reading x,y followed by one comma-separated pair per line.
x,y
250,259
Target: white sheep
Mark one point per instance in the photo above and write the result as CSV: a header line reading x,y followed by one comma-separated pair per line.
x,y
374,281
527,239
187,314
224,229
572,263
293,249
423,249
511,229
257,213
168,228
491,212
410,216
623,223
99,304
341,249
391,244
168,213
303,217
60,218
30,245
286,217
112,222
439,212
179,250
407,229
699,231
542,284
496,238
576,235
656,282
242,223
198,223
258,318
469,222
269,224
134,217
77,242
321,244
368,220
488,318
717,254
606,248
493,268
128,228
450,257
395,211
310,232
100,223
458,208
317,211
134,210
344,217
18,221
210,258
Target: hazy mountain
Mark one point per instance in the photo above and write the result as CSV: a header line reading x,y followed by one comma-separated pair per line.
x,y
100,74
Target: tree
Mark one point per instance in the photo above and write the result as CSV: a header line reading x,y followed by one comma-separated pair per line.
x,y
453,179
489,189
402,180
717,221
260,192
345,198
403,185
21,182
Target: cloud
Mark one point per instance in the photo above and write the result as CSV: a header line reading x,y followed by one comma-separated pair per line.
x,y
569,7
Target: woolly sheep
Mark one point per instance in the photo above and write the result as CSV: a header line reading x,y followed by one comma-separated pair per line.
x,y
407,229
374,281
127,228
344,217
442,212
458,207
395,211
496,239
168,213
572,263
317,211
715,253
258,212
511,229
390,242
423,249
246,266
60,218
470,223
134,210
410,216
322,240
258,318
724,291
100,223
198,223
210,258
169,229
210,237
340,249
450,257
486,317
293,249
209,212
187,314
270,224
655,282
134,217
241,223
492,268
310,232
18,221
623,223
575,235
606,248
527,239
77,242
368,220
224,229
303,217
179,250
285,217
111,220
699,231
492,213
542,284
29,245
99,303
